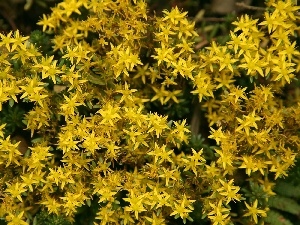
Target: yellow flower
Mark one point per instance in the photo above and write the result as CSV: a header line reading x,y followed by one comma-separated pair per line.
x,y
168,174
271,21
71,201
226,61
163,54
248,122
283,68
18,40
174,16
136,204
253,64
156,220
28,180
52,205
2,126
254,211
110,114
6,40
4,93
127,219
16,190
226,158
238,93
47,22
157,123
91,142
229,191
69,107
204,86
183,208
181,130
127,93
219,214
16,220
194,161
218,135
245,24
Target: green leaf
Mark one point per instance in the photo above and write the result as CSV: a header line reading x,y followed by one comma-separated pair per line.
x,y
95,80
287,189
190,219
88,202
275,218
251,79
34,221
11,102
284,204
37,140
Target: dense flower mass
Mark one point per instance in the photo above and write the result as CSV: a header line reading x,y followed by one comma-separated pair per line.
x,y
92,137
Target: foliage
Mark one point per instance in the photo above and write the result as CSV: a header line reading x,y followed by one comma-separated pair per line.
x,y
44,218
12,116
23,14
284,206
92,136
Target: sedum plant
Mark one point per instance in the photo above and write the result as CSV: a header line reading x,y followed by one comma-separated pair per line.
x,y
92,137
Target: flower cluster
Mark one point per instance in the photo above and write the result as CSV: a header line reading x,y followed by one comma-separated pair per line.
x,y
92,137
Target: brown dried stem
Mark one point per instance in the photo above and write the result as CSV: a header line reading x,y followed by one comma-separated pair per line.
x,y
243,5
